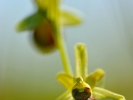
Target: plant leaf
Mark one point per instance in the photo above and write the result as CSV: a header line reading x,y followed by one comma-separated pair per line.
x,y
94,78
30,22
102,94
66,80
69,18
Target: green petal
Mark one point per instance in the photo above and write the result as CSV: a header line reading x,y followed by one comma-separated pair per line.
x,y
66,80
70,18
31,22
102,94
81,60
101,82
94,78
65,96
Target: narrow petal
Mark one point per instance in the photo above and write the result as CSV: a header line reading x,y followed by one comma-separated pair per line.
x,y
31,22
81,60
70,18
94,78
102,94
65,96
66,80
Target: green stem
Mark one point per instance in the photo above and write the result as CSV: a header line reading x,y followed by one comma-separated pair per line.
x,y
55,17
64,55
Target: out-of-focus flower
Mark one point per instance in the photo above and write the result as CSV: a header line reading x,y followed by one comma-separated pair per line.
x,y
47,23
84,86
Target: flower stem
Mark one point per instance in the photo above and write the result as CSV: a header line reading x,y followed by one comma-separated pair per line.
x,y
55,17
64,55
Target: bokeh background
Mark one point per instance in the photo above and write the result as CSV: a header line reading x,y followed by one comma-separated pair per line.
x,y
107,30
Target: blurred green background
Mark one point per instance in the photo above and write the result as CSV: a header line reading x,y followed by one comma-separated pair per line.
x,y
26,74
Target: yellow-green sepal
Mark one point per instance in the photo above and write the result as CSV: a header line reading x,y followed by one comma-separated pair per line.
x,y
66,80
68,18
94,78
31,22
103,94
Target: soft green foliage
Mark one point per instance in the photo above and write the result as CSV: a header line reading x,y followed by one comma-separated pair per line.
x,y
92,79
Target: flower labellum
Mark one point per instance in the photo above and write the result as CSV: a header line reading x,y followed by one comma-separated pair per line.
x,y
43,36
81,90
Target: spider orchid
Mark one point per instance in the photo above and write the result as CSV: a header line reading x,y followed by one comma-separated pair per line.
x,y
84,86
47,22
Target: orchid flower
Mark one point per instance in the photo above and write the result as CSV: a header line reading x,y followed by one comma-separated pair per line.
x,y
47,23
84,86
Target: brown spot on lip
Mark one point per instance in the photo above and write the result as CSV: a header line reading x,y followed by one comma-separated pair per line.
x,y
81,95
